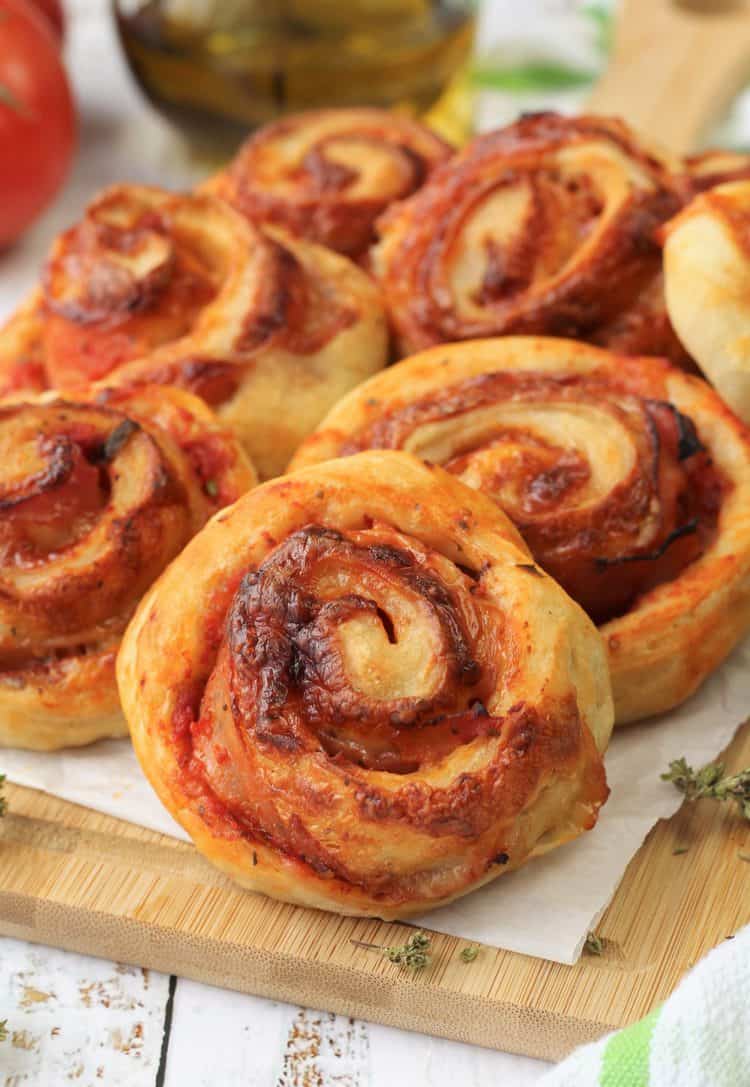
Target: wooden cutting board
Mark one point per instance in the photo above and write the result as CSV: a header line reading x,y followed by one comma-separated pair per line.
x,y
676,66
83,881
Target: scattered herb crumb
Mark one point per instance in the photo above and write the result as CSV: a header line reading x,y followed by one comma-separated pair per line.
x,y
413,955
2,798
3,1029
469,954
679,850
594,944
710,782
212,488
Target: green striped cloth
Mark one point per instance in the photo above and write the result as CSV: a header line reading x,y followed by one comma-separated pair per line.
x,y
699,1038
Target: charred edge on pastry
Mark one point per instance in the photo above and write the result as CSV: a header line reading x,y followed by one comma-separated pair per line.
x,y
650,556
117,440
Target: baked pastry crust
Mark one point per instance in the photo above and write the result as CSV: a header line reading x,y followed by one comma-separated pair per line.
x,y
716,166
180,289
376,703
546,226
707,281
629,479
327,174
97,497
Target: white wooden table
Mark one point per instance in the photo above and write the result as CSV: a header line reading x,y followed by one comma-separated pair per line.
x,y
87,1021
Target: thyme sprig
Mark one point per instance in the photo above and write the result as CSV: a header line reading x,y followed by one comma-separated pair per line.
x,y
413,955
711,782
594,944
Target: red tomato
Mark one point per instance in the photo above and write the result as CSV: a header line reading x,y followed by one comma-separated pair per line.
x,y
53,9
37,118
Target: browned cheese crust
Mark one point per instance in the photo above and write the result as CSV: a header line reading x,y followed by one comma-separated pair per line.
x,y
629,480
373,701
96,498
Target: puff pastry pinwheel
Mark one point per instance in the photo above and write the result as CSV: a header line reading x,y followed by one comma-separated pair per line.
x,y
180,289
629,480
327,174
715,167
96,498
546,226
373,701
707,286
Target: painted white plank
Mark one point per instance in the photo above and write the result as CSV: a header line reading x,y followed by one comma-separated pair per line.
x,y
400,1057
221,1037
77,1019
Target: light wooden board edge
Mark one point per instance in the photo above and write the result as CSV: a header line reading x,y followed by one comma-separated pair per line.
x,y
658,77
79,880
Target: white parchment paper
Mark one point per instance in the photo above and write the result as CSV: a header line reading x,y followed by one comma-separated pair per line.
x,y
545,909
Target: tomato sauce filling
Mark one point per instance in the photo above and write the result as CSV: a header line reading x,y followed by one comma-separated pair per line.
x,y
58,505
608,552
115,315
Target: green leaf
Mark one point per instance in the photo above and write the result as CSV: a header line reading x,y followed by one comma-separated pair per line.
x,y
534,76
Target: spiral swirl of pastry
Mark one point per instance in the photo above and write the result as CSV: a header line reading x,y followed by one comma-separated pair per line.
x,y
179,289
96,497
707,282
715,167
326,175
628,479
545,226
376,701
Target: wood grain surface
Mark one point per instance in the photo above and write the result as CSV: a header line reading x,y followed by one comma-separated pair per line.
x,y
86,882
675,67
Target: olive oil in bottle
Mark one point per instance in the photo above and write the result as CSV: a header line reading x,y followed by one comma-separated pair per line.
x,y
218,68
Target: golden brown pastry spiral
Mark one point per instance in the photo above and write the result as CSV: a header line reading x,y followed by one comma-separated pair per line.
x,y
707,280
376,701
326,175
629,480
96,498
545,226
179,289
706,169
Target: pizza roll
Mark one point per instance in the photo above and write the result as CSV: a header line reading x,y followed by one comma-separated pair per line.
x,y
327,174
178,289
628,479
546,226
706,169
97,497
707,277
373,701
